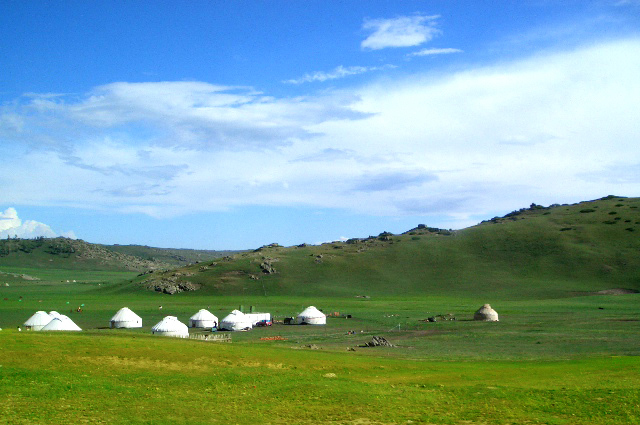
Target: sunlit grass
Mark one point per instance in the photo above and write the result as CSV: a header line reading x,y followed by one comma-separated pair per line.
x,y
52,378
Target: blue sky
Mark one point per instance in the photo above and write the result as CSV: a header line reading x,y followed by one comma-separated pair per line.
x,y
229,125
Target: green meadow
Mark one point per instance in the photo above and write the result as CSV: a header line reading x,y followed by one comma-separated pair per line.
x,y
556,361
563,352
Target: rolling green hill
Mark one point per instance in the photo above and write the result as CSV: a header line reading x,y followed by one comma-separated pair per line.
x,y
74,254
541,252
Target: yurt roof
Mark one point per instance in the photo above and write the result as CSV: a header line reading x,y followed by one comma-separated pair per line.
x,y
486,309
203,314
39,318
311,311
125,315
170,324
235,316
54,314
61,323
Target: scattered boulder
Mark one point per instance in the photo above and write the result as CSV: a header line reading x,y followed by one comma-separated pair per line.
x,y
267,266
440,318
378,341
170,285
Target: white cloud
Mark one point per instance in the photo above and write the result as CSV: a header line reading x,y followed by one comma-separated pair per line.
x,y
338,72
11,226
429,52
555,127
403,31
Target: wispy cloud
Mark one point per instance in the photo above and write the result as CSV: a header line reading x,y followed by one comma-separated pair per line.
x,y
429,52
403,31
338,72
547,128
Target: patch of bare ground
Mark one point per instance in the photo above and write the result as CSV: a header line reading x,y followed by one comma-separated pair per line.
x,y
617,291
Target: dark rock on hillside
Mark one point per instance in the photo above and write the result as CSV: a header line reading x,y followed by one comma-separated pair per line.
x,y
378,341
267,266
170,284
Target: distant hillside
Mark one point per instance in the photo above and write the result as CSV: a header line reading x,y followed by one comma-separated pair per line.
x,y
173,256
64,253
533,252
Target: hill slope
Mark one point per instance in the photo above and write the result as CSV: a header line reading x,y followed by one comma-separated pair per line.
x,y
534,252
64,253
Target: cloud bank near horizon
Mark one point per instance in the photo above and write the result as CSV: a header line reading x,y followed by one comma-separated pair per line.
x,y
11,226
551,127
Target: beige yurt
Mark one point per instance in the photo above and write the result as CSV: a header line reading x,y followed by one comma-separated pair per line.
x,y
486,314
311,316
203,319
171,326
125,318
61,323
38,321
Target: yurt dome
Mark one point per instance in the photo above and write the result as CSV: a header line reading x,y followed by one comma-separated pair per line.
x,y
171,326
38,321
203,319
486,314
61,323
125,318
311,316
235,321
53,314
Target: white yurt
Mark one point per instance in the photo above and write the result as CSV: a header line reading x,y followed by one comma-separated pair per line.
x,y
53,314
38,321
61,323
125,318
171,326
203,319
486,314
311,316
235,321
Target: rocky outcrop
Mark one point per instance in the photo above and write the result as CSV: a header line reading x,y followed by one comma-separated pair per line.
x,y
170,285
267,265
378,341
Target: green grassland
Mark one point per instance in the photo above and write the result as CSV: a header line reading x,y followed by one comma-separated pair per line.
x,y
117,379
561,354
73,254
529,254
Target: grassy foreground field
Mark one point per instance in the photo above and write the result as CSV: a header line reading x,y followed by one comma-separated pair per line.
x,y
114,379
552,361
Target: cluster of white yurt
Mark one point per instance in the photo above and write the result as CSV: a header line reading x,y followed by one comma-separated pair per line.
x,y
203,319
125,319
486,314
311,316
171,326
52,321
236,321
